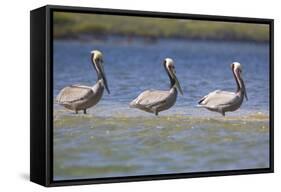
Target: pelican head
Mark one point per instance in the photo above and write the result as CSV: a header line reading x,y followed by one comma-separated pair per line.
x,y
96,54
237,70
97,60
236,66
170,69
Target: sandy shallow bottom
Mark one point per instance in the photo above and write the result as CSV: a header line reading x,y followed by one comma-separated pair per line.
x,y
126,144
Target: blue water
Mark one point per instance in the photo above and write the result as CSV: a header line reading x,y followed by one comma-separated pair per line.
x,y
114,140
133,67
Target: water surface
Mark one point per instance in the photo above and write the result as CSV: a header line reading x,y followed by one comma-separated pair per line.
x,y
114,140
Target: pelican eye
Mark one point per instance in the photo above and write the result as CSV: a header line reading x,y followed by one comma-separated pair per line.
x,y
171,66
98,59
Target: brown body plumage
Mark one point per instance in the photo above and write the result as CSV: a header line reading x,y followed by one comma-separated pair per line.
x,y
225,101
155,101
81,97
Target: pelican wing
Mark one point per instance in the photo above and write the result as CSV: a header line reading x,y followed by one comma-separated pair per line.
x,y
150,98
218,98
74,93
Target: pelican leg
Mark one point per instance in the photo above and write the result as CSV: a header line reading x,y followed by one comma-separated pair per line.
x,y
85,111
76,112
223,113
156,112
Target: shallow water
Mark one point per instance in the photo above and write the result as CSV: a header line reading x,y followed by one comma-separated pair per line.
x,y
114,140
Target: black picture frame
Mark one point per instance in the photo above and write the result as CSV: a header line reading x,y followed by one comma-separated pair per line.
x,y
41,99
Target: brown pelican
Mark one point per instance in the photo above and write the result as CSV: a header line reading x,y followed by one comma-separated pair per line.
x,y
223,101
81,97
154,101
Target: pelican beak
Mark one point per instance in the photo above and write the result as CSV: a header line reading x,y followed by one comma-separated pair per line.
x,y
103,77
245,91
246,95
177,84
105,83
